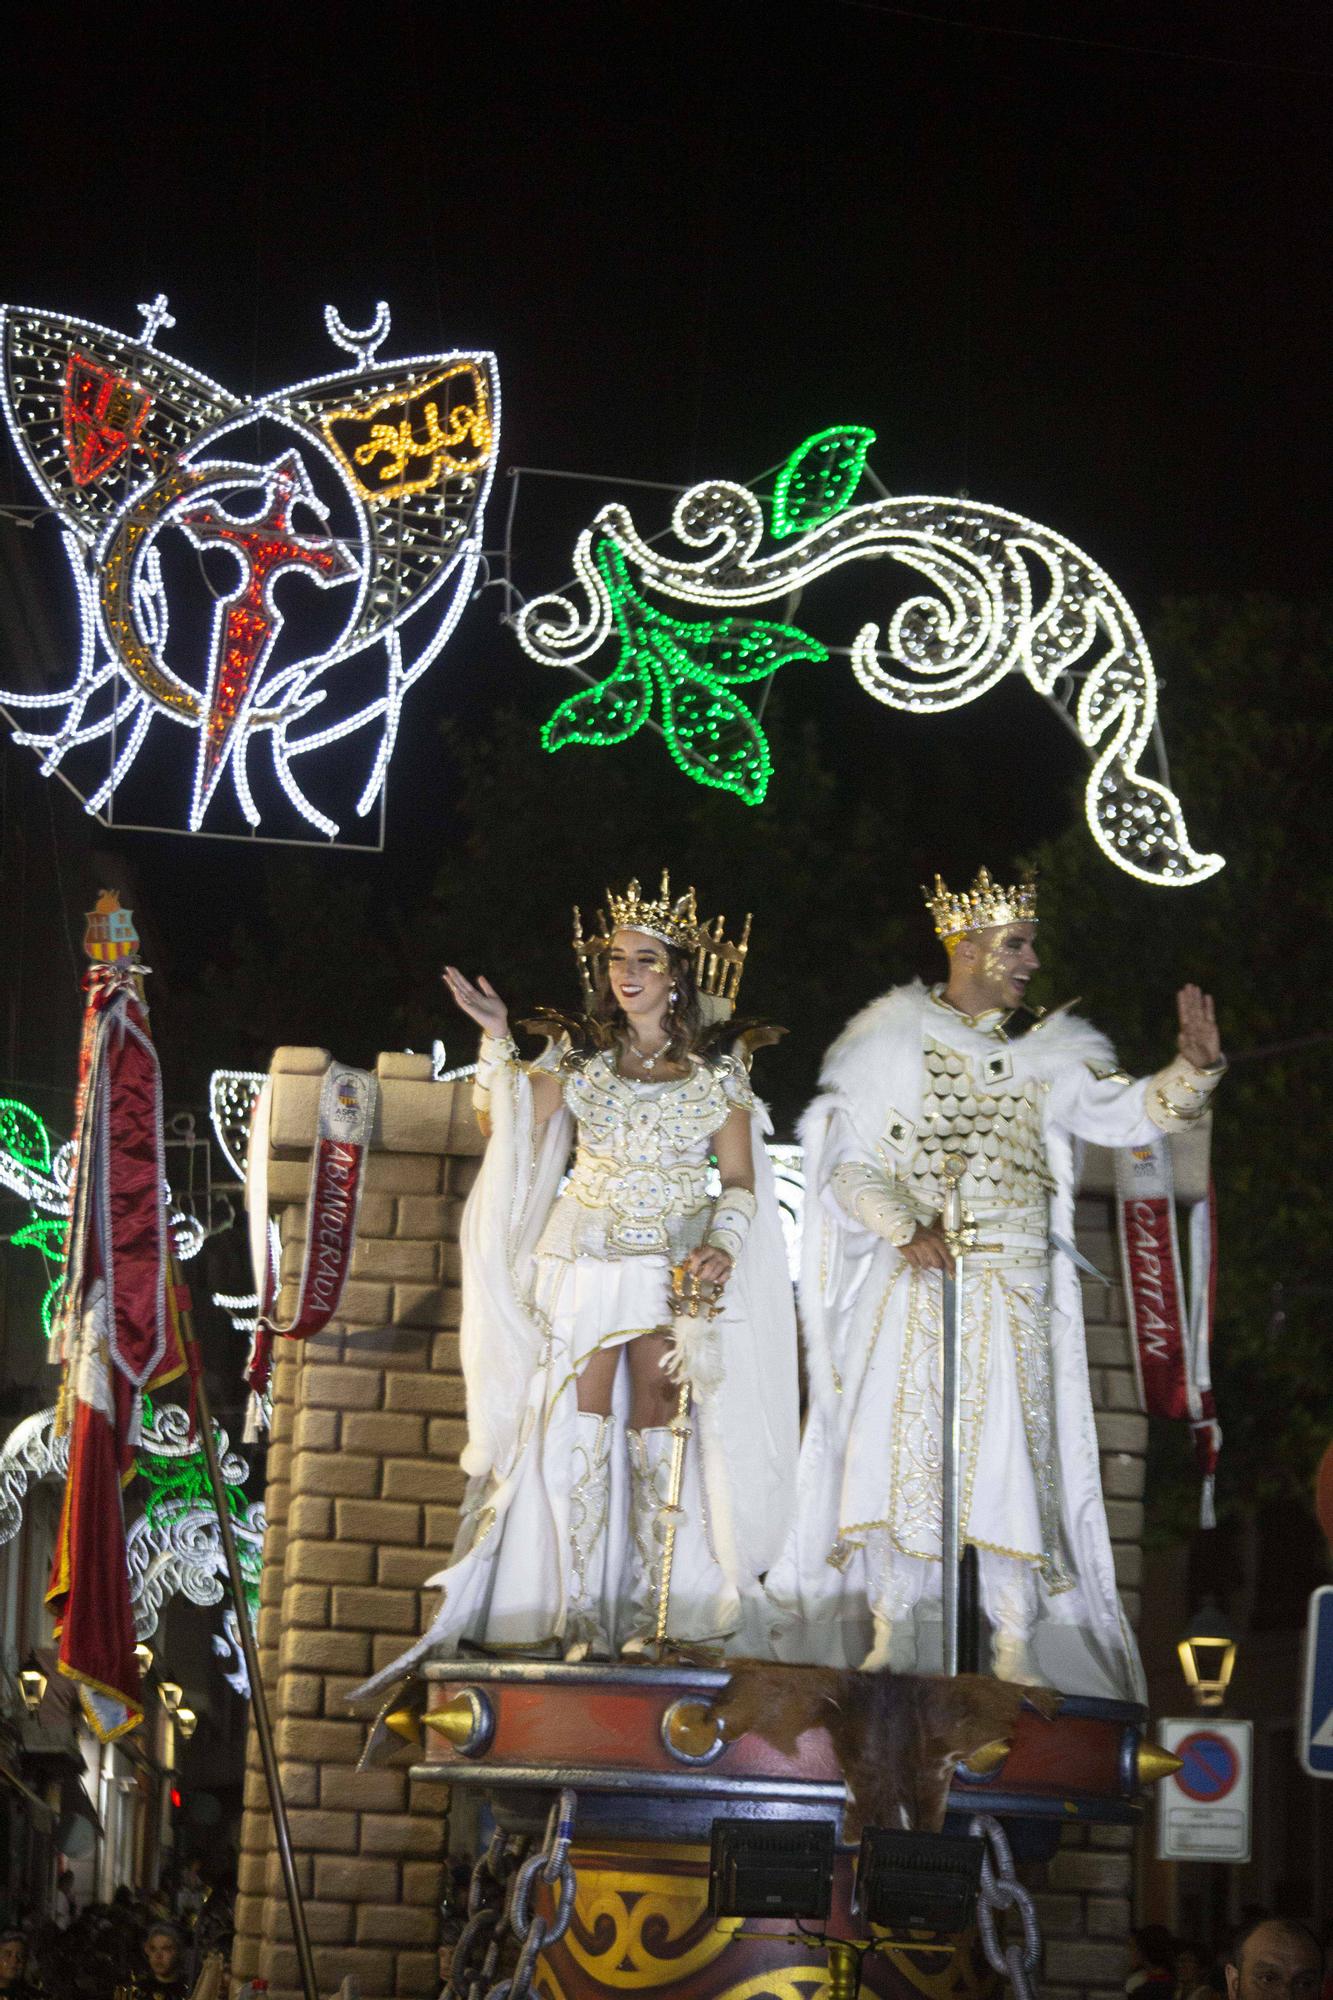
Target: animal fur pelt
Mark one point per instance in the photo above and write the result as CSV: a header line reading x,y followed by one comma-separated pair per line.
x,y
897,1737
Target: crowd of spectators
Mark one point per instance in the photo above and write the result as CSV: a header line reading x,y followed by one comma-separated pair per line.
x,y
136,1947
1268,1958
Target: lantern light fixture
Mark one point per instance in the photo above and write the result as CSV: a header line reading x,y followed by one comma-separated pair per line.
x,y
1207,1649
32,1687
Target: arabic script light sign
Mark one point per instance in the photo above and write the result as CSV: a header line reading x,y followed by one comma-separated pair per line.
x,y
365,488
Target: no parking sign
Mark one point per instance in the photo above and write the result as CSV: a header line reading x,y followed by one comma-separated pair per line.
x,y
1203,1809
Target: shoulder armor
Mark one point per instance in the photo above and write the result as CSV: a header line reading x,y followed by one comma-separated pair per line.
x,y
735,1042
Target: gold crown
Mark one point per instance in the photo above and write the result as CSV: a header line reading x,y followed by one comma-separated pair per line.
x,y
981,907
718,962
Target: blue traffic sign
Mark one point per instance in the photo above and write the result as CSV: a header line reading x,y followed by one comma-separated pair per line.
x,y
1316,1722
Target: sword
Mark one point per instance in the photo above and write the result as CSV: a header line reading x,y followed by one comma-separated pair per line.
x,y
960,1233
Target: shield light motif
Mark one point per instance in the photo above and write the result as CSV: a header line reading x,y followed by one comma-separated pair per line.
x,y
375,496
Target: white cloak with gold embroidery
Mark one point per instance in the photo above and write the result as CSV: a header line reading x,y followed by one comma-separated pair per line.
x,y
909,1079
551,1275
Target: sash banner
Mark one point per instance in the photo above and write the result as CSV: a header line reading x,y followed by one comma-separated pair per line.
x,y
346,1117
1172,1329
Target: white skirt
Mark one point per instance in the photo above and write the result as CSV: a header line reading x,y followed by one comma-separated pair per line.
x,y
507,1586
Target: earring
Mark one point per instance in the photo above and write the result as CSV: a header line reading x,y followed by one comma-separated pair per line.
x,y
674,996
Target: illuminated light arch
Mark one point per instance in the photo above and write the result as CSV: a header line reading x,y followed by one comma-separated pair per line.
x,y
1009,596
124,442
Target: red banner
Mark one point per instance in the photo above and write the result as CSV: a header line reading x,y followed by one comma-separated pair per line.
x,y
341,1145
1171,1336
118,1335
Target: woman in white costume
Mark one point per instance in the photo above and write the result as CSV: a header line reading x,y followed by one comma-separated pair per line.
x,y
963,1068
566,1321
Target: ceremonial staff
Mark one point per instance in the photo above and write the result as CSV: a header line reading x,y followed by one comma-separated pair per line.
x,y
258,1698
960,1233
693,1361
122,1330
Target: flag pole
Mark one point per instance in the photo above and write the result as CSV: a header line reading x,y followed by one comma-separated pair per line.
x,y
259,1701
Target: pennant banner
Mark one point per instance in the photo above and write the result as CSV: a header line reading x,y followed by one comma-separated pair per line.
x,y
1172,1330
116,1334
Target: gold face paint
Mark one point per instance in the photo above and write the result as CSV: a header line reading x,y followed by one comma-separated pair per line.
x,y
1005,959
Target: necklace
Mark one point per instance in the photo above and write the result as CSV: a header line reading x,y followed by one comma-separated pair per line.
x,y
650,1062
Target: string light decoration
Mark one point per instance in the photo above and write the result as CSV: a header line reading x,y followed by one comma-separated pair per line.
x,y
1009,596
232,1096
135,453
174,1546
37,1170
692,670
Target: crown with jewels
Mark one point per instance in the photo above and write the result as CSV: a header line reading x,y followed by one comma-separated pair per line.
x,y
981,907
718,960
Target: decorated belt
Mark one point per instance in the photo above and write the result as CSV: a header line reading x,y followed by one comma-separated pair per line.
x,y
645,1194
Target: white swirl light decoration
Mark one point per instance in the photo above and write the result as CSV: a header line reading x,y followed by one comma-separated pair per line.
x,y
175,1550
31,1451
1010,596
232,1095
227,1645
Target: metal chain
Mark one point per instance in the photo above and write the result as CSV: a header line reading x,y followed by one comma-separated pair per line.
x,y
1001,1890
532,1930
477,1953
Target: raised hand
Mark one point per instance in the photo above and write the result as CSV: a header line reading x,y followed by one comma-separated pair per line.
x,y
481,1002
1200,1042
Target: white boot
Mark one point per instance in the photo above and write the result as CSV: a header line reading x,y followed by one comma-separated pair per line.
x,y
894,1647
586,1635
649,1495
1009,1595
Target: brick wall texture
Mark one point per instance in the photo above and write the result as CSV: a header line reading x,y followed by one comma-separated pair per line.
x,y
363,1496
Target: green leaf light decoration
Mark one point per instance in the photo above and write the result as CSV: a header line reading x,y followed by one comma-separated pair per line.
x,y
47,1234
24,1137
819,479
26,1170
691,669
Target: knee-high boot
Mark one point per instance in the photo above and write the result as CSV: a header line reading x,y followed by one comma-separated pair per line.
x,y
649,1495
586,1634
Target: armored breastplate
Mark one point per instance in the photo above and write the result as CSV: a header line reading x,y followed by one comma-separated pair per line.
x,y
995,1126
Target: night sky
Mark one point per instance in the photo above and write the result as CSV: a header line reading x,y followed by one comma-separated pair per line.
x,y
1070,260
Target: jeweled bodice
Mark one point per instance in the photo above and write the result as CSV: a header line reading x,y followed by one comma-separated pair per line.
x,y
639,1183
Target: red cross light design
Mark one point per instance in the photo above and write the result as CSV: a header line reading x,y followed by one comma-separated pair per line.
x,y
246,623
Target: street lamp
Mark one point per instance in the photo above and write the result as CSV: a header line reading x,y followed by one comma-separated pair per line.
x,y
1207,1649
170,1694
32,1686
186,1722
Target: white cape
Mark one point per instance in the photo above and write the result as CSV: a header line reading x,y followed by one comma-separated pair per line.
x,y
747,1428
1083,1641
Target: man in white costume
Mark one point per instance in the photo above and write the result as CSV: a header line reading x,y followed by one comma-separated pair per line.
x,y
963,1068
